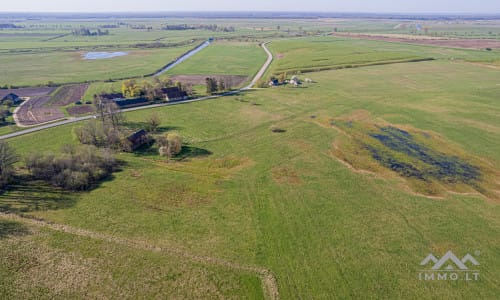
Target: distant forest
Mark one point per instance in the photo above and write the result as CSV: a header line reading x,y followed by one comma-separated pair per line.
x,y
88,32
210,27
9,26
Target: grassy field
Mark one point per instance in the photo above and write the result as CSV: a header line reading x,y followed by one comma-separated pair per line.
x,y
224,59
64,67
374,168
321,53
286,202
46,264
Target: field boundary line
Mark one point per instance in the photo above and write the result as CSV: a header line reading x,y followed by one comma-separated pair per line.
x,y
268,280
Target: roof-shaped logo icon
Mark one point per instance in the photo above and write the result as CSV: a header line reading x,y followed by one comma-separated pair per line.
x,y
449,262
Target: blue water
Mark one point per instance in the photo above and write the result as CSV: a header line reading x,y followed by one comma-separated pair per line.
x,y
103,55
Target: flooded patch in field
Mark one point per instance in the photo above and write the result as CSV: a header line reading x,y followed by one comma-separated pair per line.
x,y
422,162
428,164
102,55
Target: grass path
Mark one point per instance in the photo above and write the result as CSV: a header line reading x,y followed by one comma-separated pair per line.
x,y
269,282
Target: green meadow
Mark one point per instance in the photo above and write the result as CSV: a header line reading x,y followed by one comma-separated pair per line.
x,y
222,58
307,202
324,53
66,67
283,200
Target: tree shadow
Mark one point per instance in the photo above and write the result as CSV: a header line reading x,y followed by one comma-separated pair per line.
x,y
142,125
186,153
189,152
30,195
10,228
146,150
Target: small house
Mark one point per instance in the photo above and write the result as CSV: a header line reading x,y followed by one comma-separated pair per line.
x,y
274,82
138,139
174,94
11,97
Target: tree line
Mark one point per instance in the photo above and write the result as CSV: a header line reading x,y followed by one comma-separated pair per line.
x,y
152,90
215,86
84,31
209,27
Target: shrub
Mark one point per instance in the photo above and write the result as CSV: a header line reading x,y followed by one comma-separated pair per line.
x,y
169,145
77,168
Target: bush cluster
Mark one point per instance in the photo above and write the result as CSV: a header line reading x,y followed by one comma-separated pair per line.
x,y
77,168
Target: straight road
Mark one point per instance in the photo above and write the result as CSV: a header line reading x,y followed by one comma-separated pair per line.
x,y
257,77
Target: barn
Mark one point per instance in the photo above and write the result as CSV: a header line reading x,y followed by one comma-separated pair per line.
x,y
174,94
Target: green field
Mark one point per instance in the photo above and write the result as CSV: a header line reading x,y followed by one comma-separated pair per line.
x,y
328,204
64,67
283,201
323,53
224,59
51,264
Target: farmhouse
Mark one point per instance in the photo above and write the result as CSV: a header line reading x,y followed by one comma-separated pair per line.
x,y
174,94
139,138
12,97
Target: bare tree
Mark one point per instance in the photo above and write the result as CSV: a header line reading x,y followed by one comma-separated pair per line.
x,y
8,158
169,145
91,133
154,121
114,115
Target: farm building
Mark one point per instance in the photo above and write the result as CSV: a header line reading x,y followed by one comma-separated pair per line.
x,y
128,103
174,94
138,139
12,97
113,97
274,82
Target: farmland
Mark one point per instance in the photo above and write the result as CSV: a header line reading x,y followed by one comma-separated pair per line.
x,y
224,59
323,53
69,67
373,168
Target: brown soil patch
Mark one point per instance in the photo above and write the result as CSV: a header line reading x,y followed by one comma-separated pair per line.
x,y
136,174
28,92
81,110
29,116
285,175
432,41
68,94
233,80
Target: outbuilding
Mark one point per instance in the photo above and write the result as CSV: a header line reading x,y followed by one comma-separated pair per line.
x,y
11,97
174,94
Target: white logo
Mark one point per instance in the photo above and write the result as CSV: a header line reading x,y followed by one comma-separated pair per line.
x,y
449,267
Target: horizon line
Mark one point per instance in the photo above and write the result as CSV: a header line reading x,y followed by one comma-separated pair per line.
x,y
251,12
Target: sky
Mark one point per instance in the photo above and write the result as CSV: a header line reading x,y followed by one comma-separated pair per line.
x,y
370,6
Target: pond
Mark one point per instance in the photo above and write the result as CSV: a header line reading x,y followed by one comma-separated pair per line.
x,y
102,55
